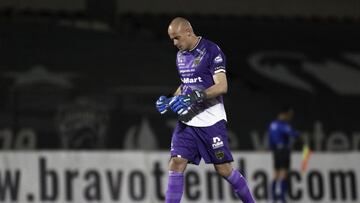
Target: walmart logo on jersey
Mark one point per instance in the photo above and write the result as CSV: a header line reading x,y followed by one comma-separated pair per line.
x,y
191,80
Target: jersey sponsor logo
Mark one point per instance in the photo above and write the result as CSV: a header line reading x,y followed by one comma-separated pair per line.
x,y
217,143
181,60
187,70
191,80
218,59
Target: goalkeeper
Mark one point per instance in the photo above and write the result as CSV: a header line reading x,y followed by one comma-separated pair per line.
x,y
198,102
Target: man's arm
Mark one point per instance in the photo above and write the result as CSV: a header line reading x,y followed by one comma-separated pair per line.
x,y
181,104
220,87
291,132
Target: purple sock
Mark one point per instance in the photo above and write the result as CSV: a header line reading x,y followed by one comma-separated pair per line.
x,y
175,187
240,186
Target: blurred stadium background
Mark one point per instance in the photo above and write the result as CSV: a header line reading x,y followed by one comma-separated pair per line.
x,y
79,78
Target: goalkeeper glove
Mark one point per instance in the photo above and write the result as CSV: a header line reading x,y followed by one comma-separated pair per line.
x,y
181,104
195,96
177,105
162,104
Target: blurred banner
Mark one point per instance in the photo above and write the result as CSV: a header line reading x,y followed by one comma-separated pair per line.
x,y
129,176
66,84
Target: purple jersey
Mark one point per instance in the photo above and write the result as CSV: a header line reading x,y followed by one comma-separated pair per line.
x,y
196,69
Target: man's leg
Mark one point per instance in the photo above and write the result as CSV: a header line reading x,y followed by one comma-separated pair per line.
x,y
275,184
236,180
284,188
283,185
274,195
175,186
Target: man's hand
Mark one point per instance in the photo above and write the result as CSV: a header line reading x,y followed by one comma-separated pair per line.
x,y
177,105
181,104
195,97
162,104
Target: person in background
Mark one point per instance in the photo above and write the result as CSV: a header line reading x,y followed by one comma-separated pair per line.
x,y
280,134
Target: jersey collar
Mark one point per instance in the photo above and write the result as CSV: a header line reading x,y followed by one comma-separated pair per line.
x,y
192,50
197,44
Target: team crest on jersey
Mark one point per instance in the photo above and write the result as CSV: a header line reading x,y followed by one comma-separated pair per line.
x,y
219,154
196,62
198,59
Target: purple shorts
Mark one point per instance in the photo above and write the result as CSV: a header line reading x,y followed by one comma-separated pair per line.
x,y
194,143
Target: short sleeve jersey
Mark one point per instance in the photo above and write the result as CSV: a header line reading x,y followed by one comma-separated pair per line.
x,y
196,68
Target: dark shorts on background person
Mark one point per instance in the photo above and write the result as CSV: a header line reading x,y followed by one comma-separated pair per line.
x,y
281,158
193,143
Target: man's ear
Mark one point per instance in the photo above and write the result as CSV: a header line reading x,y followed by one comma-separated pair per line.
x,y
188,32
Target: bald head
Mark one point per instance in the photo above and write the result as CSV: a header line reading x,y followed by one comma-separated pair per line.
x,y
180,24
182,34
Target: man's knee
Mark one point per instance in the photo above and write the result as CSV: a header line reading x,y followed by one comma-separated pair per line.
x,y
224,169
178,164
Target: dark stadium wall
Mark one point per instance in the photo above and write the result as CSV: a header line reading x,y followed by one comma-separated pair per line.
x,y
67,85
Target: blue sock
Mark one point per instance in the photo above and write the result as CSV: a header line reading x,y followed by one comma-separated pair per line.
x,y
284,188
273,190
240,186
175,187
